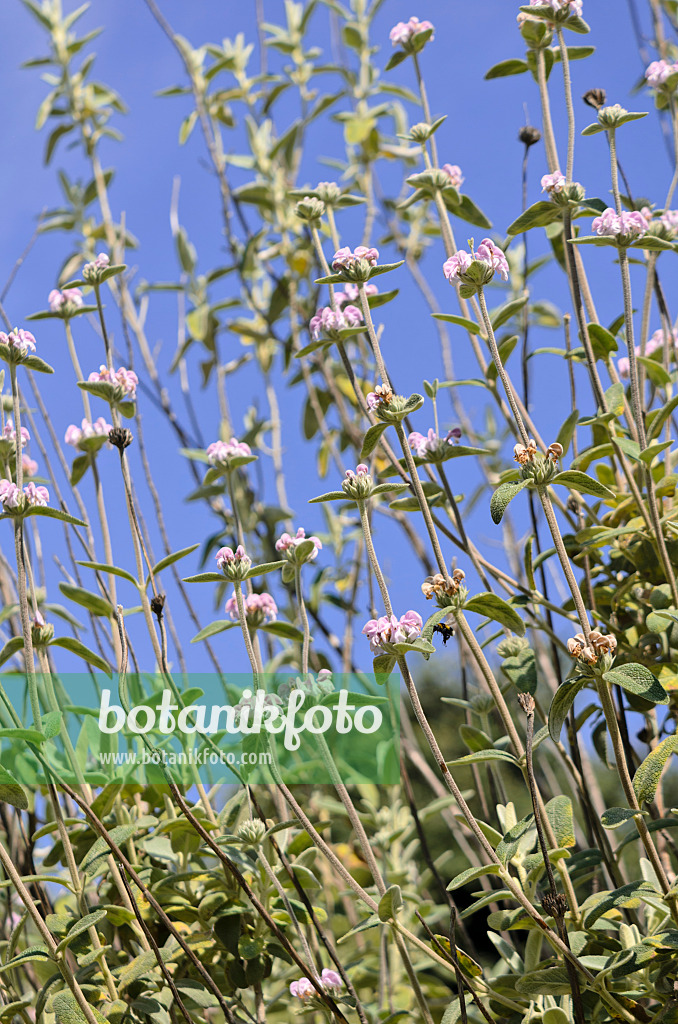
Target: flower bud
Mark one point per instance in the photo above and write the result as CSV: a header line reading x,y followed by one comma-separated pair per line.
x,y
512,646
234,564
252,832
328,192
612,116
41,632
357,485
310,209
120,438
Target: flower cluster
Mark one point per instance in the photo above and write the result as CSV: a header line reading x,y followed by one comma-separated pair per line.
x,y
289,546
330,322
357,485
405,32
659,71
625,226
88,436
259,608
14,500
9,433
453,172
522,454
234,564
328,980
388,630
65,302
29,466
19,342
91,272
553,183
430,446
598,645
124,381
355,265
669,220
533,464
656,341
220,453
248,701
444,591
476,268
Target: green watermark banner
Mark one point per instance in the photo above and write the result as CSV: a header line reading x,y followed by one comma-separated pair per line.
x,y
202,727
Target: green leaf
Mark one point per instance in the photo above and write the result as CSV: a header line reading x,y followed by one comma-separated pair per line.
x,y
67,1011
53,513
12,646
110,569
504,494
603,343
330,496
81,926
11,792
626,897
510,844
371,440
479,756
264,568
206,577
521,669
495,608
283,629
471,874
93,862
37,364
69,643
566,432
583,483
539,215
613,817
433,620
468,211
383,664
390,903
647,776
27,956
95,604
172,558
560,814
214,627
508,310
552,981
563,699
470,325
512,66
638,679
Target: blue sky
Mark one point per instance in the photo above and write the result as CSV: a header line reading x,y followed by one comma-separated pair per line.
x,y
479,134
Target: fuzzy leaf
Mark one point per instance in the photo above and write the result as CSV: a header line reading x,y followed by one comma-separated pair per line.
x,y
495,608
647,776
371,441
563,700
583,483
69,643
501,498
390,903
639,680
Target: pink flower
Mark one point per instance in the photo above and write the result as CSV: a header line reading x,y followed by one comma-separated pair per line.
x,y
329,322
404,32
10,495
553,182
654,342
428,445
259,608
625,226
669,219
125,380
457,265
36,495
345,258
20,341
491,254
361,470
287,544
9,433
387,630
658,71
30,466
330,979
57,299
453,172
90,271
227,556
219,453
75,435
302,988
